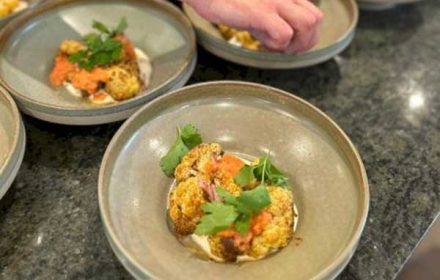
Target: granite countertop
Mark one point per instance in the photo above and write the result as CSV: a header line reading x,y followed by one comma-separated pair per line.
x,y
384,91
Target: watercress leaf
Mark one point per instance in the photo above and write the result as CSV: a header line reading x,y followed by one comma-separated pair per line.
x,y
243,223
255,199
100,27
245,176
218,217
190,136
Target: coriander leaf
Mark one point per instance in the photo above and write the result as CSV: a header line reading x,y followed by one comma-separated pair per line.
x,y
245,176
170,161
218,217
101,27
190,136
256,199
77,57
243,223
228,198
123,24
187,139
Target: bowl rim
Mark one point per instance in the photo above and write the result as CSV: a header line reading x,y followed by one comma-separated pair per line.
x,y
47,6
276,56
17,131
342,257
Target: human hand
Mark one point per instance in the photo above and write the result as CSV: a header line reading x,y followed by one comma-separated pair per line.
x,y
290,26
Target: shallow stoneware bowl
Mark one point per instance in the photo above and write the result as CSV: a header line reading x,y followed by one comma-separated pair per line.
x,y
29,44
328,179
31,3
12,141
383,4
338,29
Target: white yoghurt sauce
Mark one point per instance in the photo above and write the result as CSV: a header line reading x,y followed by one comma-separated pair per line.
x,y
145,70
202,243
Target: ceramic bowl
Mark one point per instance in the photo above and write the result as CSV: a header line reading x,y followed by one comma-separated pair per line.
x,y
29,43
338,28
12,141
328,178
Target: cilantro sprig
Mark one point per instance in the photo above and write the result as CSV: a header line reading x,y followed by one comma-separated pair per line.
x,y
101,48
187,139
264,171
234,210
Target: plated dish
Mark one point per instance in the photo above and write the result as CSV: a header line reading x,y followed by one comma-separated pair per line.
x,y
338,30
105,67
12,141
142,209
223,207
162,37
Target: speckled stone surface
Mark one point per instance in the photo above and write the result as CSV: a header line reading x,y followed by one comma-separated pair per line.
x,y
384,91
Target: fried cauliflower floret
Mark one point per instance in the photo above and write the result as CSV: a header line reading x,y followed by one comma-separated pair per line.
x,y
8,6
224,248
226,181
124,82
279,231
71,46
185,206
197,161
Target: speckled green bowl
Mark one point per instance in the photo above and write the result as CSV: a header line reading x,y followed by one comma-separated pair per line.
x,y
337,32
29,44
329,181
12,141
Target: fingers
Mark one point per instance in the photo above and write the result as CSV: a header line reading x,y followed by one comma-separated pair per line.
x,y
275,33
302,21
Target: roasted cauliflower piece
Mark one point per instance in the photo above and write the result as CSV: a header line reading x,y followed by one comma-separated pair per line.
x,y
197,161
279,231
69,47
226,181
185,205
123,83
8,6
224,248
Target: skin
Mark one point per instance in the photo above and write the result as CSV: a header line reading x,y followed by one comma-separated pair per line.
x,y
290,26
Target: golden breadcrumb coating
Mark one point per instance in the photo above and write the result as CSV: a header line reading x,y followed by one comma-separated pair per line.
x,y
225,181
185,210
123,83
69,47
279,231
224,248
197,161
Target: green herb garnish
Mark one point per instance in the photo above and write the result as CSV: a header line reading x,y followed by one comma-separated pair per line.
x,y
187,139
263,172
101,49
236,210
218,217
